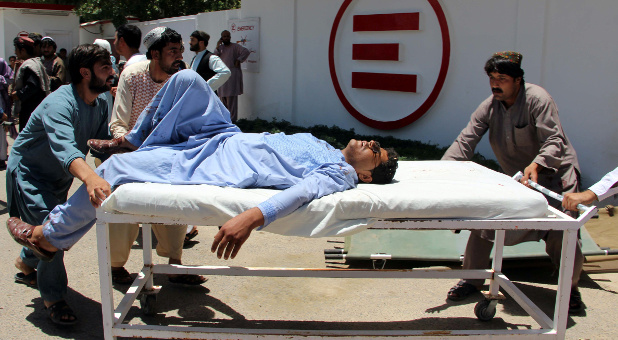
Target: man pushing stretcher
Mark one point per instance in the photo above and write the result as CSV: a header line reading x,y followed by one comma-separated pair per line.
x,y
185,136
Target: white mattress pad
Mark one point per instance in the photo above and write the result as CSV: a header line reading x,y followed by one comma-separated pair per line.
x,y
421,189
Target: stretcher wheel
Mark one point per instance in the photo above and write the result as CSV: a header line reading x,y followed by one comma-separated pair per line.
x,y
485,310
148,303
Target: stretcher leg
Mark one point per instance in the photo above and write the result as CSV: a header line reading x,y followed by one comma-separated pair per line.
x,y
148,295
105,280
485,310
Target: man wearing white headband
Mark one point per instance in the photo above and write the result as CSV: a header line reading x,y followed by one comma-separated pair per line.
x,y
54,66
137,85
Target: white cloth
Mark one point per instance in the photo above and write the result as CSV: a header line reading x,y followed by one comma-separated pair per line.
x,y
604,188
431,189
136,58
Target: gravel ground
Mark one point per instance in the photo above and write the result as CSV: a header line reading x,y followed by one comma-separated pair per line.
x,y
293,302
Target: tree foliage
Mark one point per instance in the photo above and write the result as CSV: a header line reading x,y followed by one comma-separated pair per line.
x,y
118,10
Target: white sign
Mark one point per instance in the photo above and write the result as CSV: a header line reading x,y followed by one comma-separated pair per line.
x,y
246,32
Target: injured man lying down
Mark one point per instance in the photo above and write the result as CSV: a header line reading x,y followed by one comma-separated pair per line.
x,y
185,136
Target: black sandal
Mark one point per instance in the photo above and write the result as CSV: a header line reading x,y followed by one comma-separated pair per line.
x,y
461,291
61,314
576,305
28,280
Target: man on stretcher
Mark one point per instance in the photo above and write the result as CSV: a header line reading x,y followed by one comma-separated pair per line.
x,y
185,136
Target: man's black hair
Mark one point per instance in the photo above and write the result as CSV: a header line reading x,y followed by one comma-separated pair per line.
x,y
36,37
131,34
62,49
201,36
384,173
168,36
20,44
13,57
85,55
504,66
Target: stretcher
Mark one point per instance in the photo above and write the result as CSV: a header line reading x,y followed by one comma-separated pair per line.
x,y
435,189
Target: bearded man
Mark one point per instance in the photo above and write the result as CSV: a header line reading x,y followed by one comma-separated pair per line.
x,y
49,152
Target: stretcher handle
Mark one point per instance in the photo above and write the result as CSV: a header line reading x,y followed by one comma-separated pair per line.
x,y
518,176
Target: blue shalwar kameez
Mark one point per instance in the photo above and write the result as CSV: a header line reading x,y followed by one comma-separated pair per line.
x,y
185,136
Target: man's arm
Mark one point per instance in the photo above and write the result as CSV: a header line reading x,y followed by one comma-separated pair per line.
x,y
58,77
243,54
61,133
123,105
550,135
463,147
601,190
98,189
320,182
223,72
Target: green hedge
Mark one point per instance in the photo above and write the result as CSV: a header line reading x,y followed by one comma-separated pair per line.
x,y
409,150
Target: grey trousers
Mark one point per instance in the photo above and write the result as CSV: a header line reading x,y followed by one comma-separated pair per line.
x,y
478,251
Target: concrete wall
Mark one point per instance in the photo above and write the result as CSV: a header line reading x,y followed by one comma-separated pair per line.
x,y
567,46
63,27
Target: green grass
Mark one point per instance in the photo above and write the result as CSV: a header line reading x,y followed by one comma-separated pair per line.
x,y
409,150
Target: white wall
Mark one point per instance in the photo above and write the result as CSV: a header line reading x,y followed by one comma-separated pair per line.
x,y
65,29
568,47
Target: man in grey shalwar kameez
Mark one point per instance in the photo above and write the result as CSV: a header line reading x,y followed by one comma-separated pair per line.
x,y
526,135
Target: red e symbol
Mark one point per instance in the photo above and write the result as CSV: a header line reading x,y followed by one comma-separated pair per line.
x,y
352,79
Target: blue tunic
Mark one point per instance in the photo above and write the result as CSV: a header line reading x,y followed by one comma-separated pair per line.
x,y
185,136
38,176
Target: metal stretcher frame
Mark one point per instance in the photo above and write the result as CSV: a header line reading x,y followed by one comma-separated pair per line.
x,y
113,317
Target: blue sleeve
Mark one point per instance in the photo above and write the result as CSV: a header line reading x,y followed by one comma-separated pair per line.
x,y
323,181
60,131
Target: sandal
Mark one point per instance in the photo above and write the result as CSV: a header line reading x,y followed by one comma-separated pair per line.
x,y
576,305
461,291
27,279
61,314
187,279
190,235
121,276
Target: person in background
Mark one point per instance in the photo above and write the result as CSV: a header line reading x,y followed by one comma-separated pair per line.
x,y
36,38
6,79
127,41
31,81
54,66
232,55
12,60
206,64
63,55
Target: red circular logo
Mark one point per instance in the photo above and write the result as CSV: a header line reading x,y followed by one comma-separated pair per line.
x,y
389,61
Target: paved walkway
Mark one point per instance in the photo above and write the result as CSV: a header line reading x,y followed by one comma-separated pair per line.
x,y
282,302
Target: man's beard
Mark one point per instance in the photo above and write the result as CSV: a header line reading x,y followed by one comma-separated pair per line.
x,y
174,67
194,48
97,85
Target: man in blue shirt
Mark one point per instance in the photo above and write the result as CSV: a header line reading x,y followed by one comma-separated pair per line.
x,y
48,154
185,136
